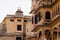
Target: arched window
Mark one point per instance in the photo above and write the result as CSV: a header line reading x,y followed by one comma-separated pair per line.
x,y
47,16
55,28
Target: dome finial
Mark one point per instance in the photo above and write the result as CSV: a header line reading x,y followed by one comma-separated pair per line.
x,y
19,10
19,7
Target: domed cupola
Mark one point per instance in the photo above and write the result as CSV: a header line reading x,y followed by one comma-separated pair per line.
x,y
19,12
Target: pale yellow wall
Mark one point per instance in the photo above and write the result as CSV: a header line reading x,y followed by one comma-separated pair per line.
x,y
29,27
7,38
12,26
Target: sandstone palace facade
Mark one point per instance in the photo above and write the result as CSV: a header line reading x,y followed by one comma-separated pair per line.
x,y
45,20
43,24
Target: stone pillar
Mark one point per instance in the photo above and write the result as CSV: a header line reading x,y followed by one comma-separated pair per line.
x,y
43,34
38,36
52,35
57,35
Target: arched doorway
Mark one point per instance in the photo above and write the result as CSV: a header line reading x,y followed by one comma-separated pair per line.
x,y
48,35
54,35
47,16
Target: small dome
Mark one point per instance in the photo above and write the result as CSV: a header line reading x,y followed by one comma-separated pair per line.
x,y
19,10
19,13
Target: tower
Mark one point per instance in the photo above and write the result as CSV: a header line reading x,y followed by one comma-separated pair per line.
x,y
44,11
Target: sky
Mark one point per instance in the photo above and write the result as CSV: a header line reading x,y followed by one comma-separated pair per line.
x,y
10,7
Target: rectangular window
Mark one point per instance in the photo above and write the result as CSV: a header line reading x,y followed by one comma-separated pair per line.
x,y
19,27
18,38
25,20
12,20
36,19
19,20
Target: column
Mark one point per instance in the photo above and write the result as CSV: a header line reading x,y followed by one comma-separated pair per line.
x,y
38,36
43,34
52,35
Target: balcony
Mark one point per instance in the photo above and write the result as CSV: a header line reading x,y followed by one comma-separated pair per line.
x,y
47,20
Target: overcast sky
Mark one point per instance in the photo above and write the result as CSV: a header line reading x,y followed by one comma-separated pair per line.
x,y
10,7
